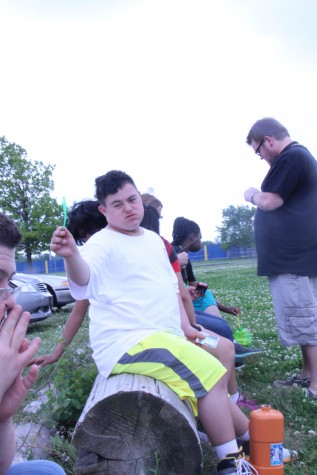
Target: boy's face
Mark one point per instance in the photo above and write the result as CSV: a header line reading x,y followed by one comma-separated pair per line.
x,y
124,210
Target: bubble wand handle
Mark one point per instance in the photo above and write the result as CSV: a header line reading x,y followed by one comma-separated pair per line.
x,y
64,211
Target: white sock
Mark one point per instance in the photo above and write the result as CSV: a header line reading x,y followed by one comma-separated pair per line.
x,y
234,397
244,437
227,448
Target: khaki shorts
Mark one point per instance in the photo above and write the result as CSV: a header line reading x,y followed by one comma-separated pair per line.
x,y
187,369
295,305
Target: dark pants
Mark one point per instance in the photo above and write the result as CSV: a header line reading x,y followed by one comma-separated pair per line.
x,y
214,324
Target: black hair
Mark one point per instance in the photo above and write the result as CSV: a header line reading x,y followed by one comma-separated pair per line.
x,y
10,234
85,219
151,219
110,183
182,228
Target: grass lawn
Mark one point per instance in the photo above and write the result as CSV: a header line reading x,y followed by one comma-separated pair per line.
x,y
233,283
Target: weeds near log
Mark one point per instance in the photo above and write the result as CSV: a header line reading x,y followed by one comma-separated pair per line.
x,y
157,463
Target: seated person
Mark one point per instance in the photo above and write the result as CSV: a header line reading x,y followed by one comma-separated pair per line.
x,y
136,312
187,237
16,354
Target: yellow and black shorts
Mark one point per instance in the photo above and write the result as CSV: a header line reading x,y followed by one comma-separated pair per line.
x,y
187,369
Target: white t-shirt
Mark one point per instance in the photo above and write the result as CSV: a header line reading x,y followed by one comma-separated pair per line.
x,y
132,293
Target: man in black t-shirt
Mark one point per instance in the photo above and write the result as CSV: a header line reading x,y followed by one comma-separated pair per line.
x,y
285,228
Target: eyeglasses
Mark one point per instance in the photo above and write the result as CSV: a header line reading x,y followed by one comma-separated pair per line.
x,y
4,293
257,152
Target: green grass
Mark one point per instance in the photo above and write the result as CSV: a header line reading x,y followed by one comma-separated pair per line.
x,y
233,283
236,283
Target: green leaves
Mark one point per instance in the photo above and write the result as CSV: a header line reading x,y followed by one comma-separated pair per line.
x,y
25,196
71,387
237,227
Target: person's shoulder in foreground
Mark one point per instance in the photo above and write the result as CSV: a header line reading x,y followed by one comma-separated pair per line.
x,y
16,354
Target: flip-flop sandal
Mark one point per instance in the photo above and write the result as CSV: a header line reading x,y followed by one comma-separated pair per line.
x,y
310,394
294,380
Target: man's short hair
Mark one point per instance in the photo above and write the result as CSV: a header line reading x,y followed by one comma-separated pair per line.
x,y
151,200
110,183
10,234
266,127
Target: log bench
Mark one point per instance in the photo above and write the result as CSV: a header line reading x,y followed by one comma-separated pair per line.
x,y
135,425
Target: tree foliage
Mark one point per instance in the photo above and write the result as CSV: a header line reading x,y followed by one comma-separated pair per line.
x,y
25,196
236,229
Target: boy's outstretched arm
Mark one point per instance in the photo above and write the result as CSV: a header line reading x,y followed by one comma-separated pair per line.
x,y
63,244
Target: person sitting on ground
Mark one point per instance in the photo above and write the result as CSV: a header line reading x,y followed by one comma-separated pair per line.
x,y
16,353
135,311
187,237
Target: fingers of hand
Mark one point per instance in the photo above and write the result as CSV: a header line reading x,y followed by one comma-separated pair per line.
x,y
59,237
17,328
24,345
43,360
2,310
11,323
33,348
28,354
31,377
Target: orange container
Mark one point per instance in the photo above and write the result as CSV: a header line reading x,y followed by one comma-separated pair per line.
x,y
266,441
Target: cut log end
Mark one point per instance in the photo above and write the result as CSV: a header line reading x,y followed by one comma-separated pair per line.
x,y
136,426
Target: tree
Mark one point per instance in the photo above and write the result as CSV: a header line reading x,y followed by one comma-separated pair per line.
x,y
25,196
237,227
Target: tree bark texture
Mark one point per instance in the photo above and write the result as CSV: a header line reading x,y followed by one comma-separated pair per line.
x,y
135,425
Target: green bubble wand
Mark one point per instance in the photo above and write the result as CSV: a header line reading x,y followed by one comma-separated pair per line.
x,y
64,205
242,335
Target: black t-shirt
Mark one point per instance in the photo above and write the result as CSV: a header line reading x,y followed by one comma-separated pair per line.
x,y
286,238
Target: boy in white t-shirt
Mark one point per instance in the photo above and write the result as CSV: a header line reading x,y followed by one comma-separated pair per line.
x,y
137,320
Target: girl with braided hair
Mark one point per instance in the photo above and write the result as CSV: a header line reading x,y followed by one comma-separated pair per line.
x,y
187,237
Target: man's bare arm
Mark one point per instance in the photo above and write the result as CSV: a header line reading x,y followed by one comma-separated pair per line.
x,y
263,199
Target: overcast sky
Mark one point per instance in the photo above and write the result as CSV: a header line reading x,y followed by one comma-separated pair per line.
x,y
165,90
